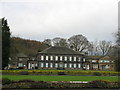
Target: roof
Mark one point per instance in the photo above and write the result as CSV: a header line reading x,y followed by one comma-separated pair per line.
x,y
21,55
106,58
59,50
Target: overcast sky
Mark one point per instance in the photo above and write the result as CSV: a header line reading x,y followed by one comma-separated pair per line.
x,y
95,19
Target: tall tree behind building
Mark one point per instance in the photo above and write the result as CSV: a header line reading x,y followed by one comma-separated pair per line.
x,y
5,43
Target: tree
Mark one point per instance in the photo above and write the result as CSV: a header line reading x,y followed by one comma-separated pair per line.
x,y
48,42
104,47
59,42
79,43
5,43
117,61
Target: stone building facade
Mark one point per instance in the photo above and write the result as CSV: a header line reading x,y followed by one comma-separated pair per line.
x,y
60,58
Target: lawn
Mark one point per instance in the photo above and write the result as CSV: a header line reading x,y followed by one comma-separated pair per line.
x,y
60,78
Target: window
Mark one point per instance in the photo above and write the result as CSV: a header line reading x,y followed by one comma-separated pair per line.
x,y
106,61
83,59
20,64
65,58
56,58
65,65
79,65
56,65
51,65
42,57
70,58
46,65
60,58
42,65
107,66
93,60
74,58
46,57
20,59
79,59
74,65
95,66
51,57
101,60
70,65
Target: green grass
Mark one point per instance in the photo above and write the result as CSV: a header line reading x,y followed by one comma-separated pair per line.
x,y
60,78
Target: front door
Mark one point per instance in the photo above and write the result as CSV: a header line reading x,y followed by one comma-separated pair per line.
x,y
60,66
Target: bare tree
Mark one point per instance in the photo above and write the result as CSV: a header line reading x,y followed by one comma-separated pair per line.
x,y
48,42
104,47
59,41
79,43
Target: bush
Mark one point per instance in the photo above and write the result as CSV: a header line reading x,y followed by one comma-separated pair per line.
x,y
24,73
26,80
99,84
96,74
6,81
61,73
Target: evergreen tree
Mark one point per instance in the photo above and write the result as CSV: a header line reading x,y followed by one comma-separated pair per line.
x,y
5,43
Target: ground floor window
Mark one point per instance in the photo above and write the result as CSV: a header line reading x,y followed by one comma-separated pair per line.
x,y
70,65
56,65
51,65
20,64
74,65
65,65
46,65
42,65
79,65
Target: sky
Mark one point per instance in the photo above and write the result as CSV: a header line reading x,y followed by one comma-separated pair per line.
x,y
47,19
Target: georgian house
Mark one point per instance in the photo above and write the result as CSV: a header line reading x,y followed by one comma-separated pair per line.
x,y
60,58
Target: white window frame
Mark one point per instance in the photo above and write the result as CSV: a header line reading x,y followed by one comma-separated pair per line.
x,y
75,58
70,65
79,59
41,65
65,65
74,65
56,65
61,58
42,57
65,58
79,65
51,65
47,57
70,58
46,65
56,58
51,57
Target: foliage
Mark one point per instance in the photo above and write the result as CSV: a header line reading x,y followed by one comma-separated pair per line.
x,y
97,73
6,81
24,73
60,85
5,43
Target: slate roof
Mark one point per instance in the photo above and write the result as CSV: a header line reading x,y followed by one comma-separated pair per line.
x,y
59,50
21,55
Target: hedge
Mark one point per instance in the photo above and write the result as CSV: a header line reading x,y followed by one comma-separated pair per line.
x,y
29,84
57,72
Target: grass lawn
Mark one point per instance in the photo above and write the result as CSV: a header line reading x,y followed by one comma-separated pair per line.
x,y
60,78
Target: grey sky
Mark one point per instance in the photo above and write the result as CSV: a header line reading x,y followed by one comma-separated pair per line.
x,y
95,19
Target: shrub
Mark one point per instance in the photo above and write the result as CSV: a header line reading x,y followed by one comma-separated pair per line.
x,y
26,80
61,73
96,73
98,84
24,73
6,81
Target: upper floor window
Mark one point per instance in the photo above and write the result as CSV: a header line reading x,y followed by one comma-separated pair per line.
x,y
42,57
70,58
56,58
46,57
74,58
93,60
83,59
20,59
65,58
60,58
106,61
51,57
